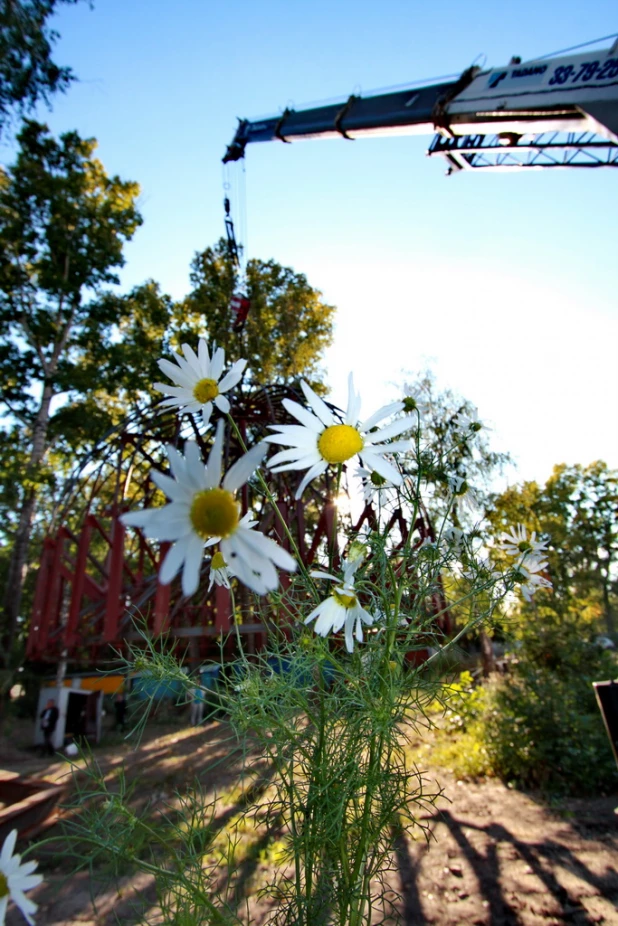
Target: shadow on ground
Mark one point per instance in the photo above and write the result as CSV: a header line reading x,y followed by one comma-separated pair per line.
x,y
494,856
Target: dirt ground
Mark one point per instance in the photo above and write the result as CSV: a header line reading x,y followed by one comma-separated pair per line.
x,y
495,855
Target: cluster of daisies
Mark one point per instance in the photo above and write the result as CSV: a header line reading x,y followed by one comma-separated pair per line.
x,y
530,562
204,514
16,877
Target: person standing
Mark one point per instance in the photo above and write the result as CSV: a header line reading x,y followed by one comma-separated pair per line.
x,y
197,706
49,719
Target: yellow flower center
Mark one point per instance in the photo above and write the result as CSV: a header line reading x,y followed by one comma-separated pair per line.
x,y
205,390
214,513
339,442
4,886
524,546
346,601
218,561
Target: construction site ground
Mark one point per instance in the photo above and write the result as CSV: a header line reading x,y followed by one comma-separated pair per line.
x,y
485,854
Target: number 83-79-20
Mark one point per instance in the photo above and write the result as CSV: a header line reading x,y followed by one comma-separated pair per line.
x,y
586,71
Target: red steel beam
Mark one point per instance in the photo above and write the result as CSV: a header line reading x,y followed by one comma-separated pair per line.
x,y
114,603
71,633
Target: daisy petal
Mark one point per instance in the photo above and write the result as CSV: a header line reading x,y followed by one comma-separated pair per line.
x,y
233,553
244,468
196,471
396,446
204,358
179,391
172,488
266,547
382,467
393,429
292,435
177,375
302,463
349,627
8,847
215,460
193,562
173,561
177,463
206,413
303,415
233,376
192,358
385,412
313,473
318,406
354,403
222,404
216,364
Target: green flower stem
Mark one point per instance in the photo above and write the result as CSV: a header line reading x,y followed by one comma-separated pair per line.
x,y
316,785
157,871
237,631
333,543
468,627
415,504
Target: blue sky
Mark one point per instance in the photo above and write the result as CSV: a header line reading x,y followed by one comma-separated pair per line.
x,y
505,284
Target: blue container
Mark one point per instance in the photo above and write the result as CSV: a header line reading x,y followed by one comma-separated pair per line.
x,y
209,677
282,666
152,689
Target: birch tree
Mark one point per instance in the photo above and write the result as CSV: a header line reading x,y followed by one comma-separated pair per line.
x,y
63,224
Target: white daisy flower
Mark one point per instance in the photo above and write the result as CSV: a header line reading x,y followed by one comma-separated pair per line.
x,y
468,422
220,573
463,493
483,569
454,537
16,879
527,573
198,381
322,440
516,541
415,398
203,511
341,607
376,488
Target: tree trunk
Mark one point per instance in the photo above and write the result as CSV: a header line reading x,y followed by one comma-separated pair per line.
x,y
488,660
607,605
19,554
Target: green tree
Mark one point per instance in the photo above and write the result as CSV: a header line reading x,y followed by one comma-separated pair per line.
x,y
27,72
63,223
576,511
456,446
115,364
288,326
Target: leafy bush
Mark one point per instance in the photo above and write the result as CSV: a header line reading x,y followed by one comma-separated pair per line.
x,y
539,727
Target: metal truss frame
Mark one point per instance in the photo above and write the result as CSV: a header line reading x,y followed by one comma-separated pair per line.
x,y
516,152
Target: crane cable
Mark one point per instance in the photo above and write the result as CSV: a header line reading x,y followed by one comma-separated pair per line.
x,y
234,189
563,51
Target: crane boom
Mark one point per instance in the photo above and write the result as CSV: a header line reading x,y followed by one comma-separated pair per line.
x,y
520,107
401,112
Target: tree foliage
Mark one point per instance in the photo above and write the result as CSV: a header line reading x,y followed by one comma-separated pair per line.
x,y
576,511
27,72
287,329
455,445
63,224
